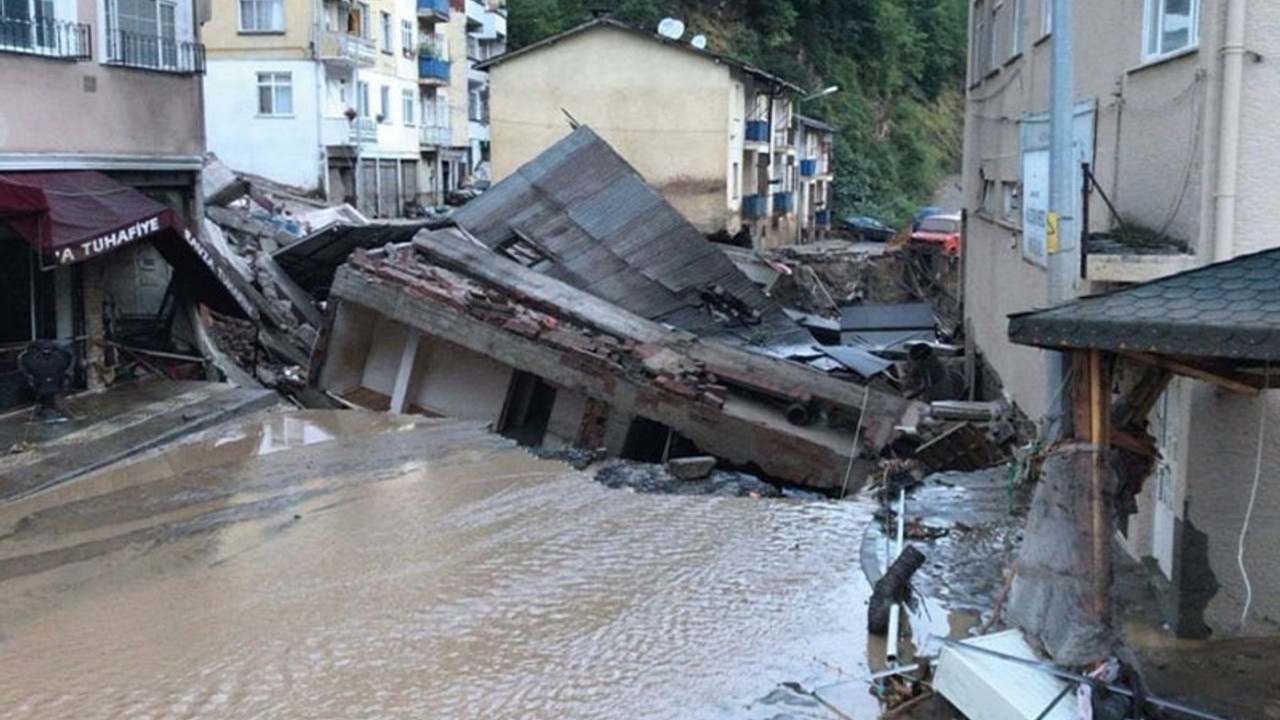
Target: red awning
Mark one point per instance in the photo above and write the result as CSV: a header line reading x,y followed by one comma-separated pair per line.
x,y
78,215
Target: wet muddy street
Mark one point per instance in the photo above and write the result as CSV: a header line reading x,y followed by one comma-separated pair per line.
x,y
326,565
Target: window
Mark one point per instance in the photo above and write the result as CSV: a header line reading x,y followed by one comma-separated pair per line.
x,y
143,33
981,47
407,34
1046,17
384,105
1015,28
364,18
261,15
1171,26
384,31
362,99
28,25
275,93
996,42
408,101
1010,201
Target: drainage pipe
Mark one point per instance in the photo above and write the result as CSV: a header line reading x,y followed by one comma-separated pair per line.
x,y
891,646
1224,220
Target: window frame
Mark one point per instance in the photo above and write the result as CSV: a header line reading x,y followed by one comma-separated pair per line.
x,y
408,107
408,38
271,79
259,6
1155,14
386,40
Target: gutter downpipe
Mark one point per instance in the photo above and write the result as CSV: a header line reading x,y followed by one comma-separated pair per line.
x,y
1224,220
318,69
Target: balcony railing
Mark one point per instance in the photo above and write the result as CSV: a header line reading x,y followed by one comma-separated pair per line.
x,y
432,71
364,129
783,203
152,52
344,47
757,131
437,9
435,135
44,36
755,206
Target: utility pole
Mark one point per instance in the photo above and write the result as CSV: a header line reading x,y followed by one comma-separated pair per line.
x,y
1063,258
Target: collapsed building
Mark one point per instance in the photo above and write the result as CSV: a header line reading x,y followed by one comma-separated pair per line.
x,y
571,305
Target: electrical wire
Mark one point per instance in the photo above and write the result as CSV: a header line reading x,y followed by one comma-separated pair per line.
x,y
853,451
1248,513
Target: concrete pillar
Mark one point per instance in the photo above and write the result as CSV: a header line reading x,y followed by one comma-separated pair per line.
x,y
404,375
64,295
99,376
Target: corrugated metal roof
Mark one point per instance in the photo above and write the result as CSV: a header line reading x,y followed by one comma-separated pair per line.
x,y
893,316
313,260
604,229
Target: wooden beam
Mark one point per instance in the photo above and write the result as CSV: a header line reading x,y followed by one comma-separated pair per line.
x,y
1234,383
1079,394
1142,398
1138,444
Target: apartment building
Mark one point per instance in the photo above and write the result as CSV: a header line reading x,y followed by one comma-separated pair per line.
x,y
354,101
814,142
715,136
1173,119
101,144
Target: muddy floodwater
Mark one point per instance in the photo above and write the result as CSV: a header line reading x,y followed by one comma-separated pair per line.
x,y
344,565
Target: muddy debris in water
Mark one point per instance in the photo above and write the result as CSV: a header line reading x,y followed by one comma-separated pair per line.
x,y
574,457
647,478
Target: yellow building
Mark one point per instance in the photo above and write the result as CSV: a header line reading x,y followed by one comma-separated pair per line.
x,y
712,134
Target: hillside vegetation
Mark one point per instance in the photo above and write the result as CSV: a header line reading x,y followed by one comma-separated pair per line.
x,y
899,64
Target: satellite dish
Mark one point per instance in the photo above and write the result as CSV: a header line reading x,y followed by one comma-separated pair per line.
x,y
699,41
671,28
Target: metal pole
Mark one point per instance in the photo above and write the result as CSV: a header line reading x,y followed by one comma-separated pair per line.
x,y
891,648
1063,261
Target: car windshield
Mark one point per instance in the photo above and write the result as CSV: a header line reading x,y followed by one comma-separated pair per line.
x,y
939,225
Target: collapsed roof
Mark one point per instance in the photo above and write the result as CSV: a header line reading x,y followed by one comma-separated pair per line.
x,y
581,214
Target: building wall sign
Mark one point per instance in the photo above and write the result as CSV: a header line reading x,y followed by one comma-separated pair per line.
x,y
1034,144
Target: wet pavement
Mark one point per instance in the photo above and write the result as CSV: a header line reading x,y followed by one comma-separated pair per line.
x,y
340,564
106,427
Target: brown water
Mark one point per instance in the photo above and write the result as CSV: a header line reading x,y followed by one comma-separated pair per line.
x,y
343,565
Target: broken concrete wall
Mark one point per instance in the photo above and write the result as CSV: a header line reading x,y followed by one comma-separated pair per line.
x,y
566,419
453,381
630,379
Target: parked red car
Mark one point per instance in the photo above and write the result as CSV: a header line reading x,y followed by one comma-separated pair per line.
x,y
943,230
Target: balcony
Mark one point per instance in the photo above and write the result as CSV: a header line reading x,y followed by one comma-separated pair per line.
x,y
808,167
430,136
432,71
784,203
757,131
152,52
755,206
433,10
364,130
45,37
342,48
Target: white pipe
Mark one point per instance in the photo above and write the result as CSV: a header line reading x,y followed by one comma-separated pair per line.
x,y
891,646
1224,220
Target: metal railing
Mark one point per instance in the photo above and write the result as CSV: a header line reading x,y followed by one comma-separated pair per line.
x,y
346,47
435,135
153,52
44,36
364,129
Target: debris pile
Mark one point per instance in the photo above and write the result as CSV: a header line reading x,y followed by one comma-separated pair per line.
x,y
247,220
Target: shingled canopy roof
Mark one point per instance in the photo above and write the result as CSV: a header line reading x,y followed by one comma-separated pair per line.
x,y
1225,314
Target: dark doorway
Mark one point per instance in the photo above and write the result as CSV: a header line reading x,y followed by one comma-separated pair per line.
x,y
652,442
528,409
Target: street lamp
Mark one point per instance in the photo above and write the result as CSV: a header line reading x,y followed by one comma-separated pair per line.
x,y
821,93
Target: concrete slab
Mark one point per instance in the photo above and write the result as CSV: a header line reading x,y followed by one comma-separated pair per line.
x,y
107,427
